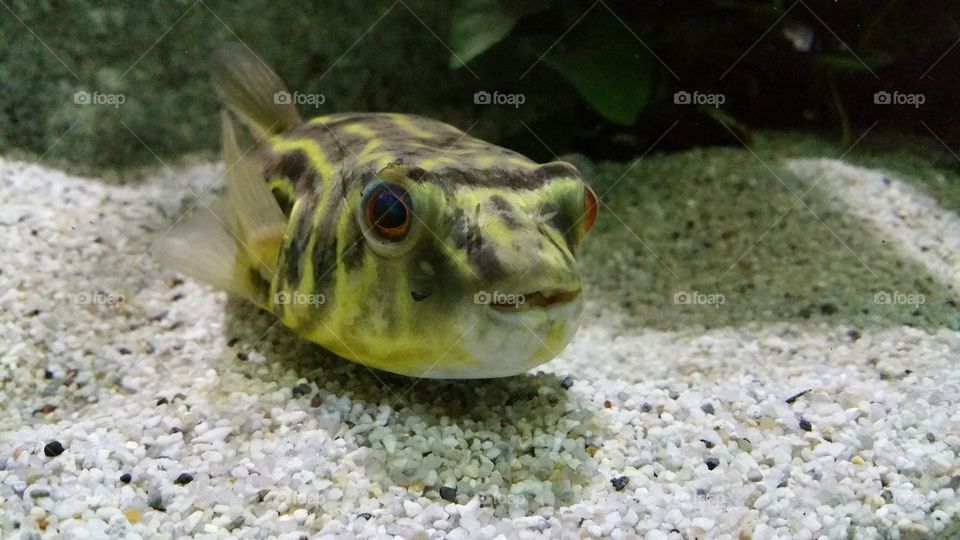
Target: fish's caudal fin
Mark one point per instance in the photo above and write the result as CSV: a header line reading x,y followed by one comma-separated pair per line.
x,y
253,91
234,243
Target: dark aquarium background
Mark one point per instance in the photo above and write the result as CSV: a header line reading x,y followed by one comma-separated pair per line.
x,y
608,79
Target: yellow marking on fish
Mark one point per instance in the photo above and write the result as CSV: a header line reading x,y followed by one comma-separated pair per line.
x,y
435,163
373,144
346,310
522,163
486,160
361,131
329,118
553,343
403,122
310,147
283,185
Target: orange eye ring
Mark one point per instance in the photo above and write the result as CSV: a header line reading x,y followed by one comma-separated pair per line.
x,y
590,209
388,210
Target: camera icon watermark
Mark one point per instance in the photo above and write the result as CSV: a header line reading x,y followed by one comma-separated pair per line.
x,y
499,299
897,98
82,97
697,298
496,98
297,298
98,298
286,98
682,97
897,298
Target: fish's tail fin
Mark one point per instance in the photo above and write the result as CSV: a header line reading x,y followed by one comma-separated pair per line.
x,y
233,243
250,89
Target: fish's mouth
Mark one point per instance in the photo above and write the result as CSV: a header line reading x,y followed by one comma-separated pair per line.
x,y
546,299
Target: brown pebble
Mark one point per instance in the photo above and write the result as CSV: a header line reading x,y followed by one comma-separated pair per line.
x,y
316,401
607,404
47,408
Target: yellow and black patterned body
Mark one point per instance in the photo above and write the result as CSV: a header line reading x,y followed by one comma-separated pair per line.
x,y
483,281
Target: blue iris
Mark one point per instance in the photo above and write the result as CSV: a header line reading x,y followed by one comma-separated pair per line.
x,y
389,210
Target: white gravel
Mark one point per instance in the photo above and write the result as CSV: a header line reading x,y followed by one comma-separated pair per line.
x,y
182,413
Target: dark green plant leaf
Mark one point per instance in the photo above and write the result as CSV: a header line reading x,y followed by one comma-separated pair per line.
x,y
608,66
480,24
846,62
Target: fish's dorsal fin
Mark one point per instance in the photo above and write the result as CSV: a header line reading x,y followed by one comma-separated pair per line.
x,y
249,88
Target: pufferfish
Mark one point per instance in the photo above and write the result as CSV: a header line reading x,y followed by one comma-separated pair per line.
x,y
392,240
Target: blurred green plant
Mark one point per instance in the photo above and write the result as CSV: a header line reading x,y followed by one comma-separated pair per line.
x,y
479,24
597,77
616,79
606,53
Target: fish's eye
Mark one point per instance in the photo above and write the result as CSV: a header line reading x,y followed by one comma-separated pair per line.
x,y
590,209
388,211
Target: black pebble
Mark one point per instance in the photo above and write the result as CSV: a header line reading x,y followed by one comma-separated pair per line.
x,y
448,493
711,462
646,407
828,308
707,443
566,382
707,408
797,396
184,478
53,449
805,424
47,374
365,515
301,390
162,401
123,350
619,482
175,429
126,478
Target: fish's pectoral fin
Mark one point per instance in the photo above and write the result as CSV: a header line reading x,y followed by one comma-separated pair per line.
x,y
253,91
254,213
203,247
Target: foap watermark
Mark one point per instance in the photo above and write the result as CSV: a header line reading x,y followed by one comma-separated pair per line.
x,y
296,298
82,97
505,500
285,98
697,298
496,98
897,298
98,298
284,499
683,97
899,98
499,299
